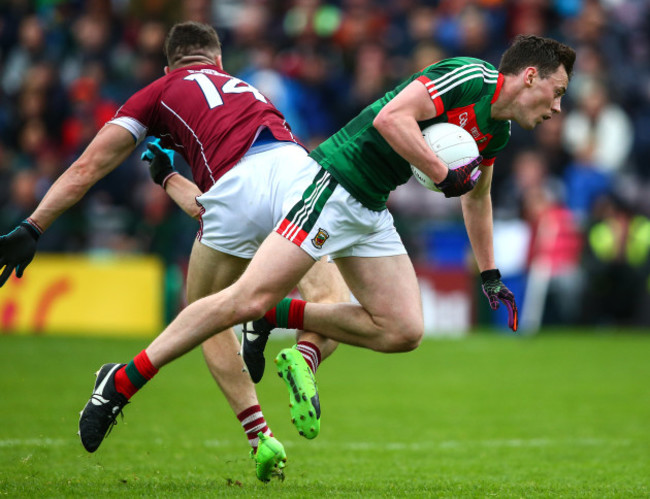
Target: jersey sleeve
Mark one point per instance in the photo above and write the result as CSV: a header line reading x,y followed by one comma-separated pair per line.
x,y
451,85
138,112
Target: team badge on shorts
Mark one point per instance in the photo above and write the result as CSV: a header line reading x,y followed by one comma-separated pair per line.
x,y
320,238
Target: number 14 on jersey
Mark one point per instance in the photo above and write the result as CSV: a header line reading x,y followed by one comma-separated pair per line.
x,y
232,86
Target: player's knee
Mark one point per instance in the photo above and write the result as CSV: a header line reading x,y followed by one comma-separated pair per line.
x,y
259,305
404,337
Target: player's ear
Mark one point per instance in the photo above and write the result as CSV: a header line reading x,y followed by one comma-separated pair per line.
x,y
530,74
166,69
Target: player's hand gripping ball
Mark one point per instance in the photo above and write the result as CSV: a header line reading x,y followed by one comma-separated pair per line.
x,y
458,150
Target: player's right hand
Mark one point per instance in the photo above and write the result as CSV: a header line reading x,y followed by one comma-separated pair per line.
x,y
17,250
459,180
161,162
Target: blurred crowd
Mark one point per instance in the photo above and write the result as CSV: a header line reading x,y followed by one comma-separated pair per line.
x,y
571,199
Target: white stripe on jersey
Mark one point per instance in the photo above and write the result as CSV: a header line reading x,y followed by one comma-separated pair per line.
x,y
299,218
463,69
302,215
437,90
205,160
135,128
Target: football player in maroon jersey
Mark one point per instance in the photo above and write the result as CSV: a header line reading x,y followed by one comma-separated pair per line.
x,y
237,145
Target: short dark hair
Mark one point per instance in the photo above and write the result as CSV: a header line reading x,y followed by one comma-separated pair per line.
x,y
546,54
189,39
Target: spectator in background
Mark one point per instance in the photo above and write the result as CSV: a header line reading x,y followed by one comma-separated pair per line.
x,y
554,272
598,134
425,53
284,92
530,171
250,27
91,46
617,264
528,16
371,77
548,141
361,22
31,49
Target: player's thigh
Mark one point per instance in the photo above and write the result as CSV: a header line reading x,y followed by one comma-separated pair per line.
x,y
272,274
388,290
324,284
211,271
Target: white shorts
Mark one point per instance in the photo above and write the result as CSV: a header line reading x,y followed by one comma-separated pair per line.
x,y
327,220
244,206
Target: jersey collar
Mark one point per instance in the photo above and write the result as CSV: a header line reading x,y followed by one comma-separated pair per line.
x,y
497,90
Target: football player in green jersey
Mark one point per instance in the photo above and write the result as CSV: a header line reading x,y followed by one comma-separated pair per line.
x,y
340,211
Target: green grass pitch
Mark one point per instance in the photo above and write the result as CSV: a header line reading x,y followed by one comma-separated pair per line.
x,y
562,414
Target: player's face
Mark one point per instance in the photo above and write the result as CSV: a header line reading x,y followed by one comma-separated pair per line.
x,y
541,100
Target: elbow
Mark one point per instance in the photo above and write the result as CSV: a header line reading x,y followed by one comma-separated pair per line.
x,y
382,121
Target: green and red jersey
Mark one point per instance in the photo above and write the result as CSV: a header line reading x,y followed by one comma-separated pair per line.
x,y
462,90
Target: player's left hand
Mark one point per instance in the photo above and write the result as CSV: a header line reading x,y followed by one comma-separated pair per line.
x,y
161,162
459,181
496,291
17,249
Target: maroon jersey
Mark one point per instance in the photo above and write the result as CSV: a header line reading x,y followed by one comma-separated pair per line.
x,y
208,116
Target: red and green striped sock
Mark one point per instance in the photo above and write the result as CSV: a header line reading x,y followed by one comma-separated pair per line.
x,y
133,376
289,314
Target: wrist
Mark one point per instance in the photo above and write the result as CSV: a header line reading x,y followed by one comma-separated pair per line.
x,y
490,275
446,180
32,228
440,171
169,175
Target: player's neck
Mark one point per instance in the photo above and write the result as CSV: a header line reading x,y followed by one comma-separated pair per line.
x,y
194,60
502,108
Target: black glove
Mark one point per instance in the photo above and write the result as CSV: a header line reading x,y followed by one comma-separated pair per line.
x,y
161,161
17,250
459,180
495,290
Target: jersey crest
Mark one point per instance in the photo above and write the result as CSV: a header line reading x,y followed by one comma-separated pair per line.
x,y
320,238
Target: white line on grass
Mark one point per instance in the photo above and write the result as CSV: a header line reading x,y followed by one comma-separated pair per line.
x,y
451,444
33,442
363,446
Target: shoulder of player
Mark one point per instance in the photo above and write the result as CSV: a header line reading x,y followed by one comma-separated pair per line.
x,y
462,74
455,65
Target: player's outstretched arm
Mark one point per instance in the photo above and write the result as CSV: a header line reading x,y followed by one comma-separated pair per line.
x,y
107,150
477,213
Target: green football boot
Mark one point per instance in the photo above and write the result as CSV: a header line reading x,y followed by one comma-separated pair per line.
x,y
303,393
270,458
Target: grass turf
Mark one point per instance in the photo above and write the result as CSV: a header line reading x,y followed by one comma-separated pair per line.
x,y
562,414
